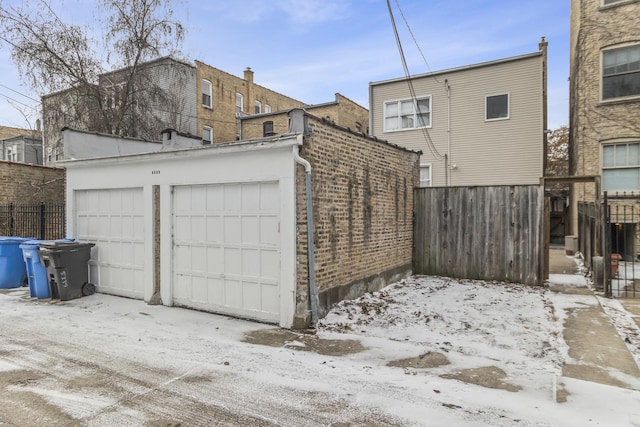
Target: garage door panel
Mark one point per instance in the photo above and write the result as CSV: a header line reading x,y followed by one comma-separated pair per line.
x,y
270,264
251,263
269,197
114,220
215,230
250,197
250,230
238,225
232,261
269,230
232,230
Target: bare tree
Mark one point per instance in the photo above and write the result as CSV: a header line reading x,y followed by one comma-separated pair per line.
x,y
53,55
558,152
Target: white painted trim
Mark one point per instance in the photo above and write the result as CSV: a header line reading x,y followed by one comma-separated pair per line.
x,y
486,101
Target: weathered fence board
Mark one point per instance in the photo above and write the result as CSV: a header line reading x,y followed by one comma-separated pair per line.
x,y
491,233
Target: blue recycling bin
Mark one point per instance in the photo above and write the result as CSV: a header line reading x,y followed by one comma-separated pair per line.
x,y
36,272
13,272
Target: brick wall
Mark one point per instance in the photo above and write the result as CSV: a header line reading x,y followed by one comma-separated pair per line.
x,y
595,27
363,210
222,116
23,183
343,112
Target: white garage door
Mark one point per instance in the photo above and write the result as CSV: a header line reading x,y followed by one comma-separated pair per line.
x,y
226,243
113,219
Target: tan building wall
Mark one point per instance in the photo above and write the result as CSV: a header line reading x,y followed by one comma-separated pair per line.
x,y
596,122
478,151
24,183
363,214
342,112
221,117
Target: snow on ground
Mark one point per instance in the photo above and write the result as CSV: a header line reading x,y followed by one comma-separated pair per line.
x,y
469,324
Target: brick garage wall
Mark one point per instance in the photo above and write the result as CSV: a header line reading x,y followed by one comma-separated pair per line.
x,y
23,183
363,214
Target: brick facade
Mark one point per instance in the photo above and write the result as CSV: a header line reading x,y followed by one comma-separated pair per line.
x,y
363,214
221,117
23,183
594,121
342,112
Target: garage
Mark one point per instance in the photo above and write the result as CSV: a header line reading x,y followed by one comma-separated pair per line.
x,y
211,228
226,249
113,219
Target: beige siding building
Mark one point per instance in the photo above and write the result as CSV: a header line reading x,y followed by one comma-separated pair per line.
x,y
482,124
605,110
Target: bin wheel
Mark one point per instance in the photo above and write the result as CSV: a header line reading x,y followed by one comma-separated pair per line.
x,y
88,289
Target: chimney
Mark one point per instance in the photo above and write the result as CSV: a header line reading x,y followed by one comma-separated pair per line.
x,y
38,125
248,75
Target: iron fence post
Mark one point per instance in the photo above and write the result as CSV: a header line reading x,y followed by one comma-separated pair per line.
x,y
42,220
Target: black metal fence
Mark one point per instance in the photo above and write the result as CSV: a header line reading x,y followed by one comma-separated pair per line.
x,y
588,223
41,221
622,249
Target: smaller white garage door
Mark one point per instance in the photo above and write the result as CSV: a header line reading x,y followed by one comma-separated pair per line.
x,y
226,243
113,219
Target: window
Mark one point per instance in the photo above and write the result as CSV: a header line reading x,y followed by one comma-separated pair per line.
x,y
267,108
407,114
267,129
207,135
257,107
621,72
425,175
621,167
239,103
497,107
207,94
610,1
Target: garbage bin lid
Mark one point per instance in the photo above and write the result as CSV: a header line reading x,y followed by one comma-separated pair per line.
x,y
5,240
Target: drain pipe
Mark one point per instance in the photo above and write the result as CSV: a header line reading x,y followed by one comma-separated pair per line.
x,y
313,292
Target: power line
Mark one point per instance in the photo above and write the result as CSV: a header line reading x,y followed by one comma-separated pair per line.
x,y
19,93
430,145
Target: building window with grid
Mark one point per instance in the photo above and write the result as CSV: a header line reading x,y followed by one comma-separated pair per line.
x,y
239,103
407,114
621,72
425,176
207,94
207,135
621,167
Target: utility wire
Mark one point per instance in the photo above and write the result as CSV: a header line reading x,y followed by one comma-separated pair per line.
x,y
430,145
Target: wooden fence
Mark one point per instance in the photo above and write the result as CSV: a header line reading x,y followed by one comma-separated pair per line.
x,y
490,233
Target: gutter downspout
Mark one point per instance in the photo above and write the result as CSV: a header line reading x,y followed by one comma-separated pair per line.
x,y
448,160
313,292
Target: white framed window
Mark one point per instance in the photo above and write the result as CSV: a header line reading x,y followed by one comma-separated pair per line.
x,y
621,167
497,107
425,176
239,103
621,72
267,108
207,94
257,107
207,135
407,114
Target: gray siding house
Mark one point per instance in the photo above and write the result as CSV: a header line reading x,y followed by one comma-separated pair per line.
x,y
482,124
23,149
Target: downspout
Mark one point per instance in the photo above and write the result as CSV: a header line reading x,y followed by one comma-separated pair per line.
x,y
313,292
448,160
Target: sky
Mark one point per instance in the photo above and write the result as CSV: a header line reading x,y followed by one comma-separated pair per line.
x,y
312,49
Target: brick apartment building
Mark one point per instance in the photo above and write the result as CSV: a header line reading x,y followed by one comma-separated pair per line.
x,y
604,104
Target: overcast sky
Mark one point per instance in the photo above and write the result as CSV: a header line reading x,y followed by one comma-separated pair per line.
x,y
311,49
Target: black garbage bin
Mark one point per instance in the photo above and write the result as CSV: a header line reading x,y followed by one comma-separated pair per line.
x,y
67,269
